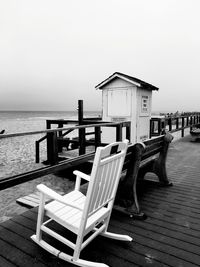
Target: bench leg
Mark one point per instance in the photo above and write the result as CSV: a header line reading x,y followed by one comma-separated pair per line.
x,y
127,199
133,211
159,169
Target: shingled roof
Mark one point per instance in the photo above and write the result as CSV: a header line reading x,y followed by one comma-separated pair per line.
x,y
128,78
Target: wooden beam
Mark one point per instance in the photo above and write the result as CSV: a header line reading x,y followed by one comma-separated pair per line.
x,y
31,175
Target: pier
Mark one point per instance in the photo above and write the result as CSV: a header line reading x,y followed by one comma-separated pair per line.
x,y
170,234
168,237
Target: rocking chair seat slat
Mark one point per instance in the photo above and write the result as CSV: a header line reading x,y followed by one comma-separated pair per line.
x,y
75,197
69,217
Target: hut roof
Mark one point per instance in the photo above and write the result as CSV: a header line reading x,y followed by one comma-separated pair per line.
x,y
128,78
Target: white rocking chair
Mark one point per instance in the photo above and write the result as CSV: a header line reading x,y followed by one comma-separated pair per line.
x,y
84,214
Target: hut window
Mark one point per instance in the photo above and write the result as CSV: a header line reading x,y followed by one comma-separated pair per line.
x,y
145,104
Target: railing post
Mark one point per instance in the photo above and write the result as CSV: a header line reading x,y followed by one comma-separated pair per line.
x,y
183,125
190,122
151,128
159,126
80,112
52,148
82,149
128,131
119,132
170,123
48,124
187,122
60,125
37,152
177,123
97,136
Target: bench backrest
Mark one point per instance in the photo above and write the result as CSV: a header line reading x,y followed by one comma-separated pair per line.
x,y
149,149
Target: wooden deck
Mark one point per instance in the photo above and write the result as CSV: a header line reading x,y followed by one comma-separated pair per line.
x,y
170,236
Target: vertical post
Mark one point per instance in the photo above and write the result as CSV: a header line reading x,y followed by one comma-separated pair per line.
x,y
151,128
162,126
170,123
80,112
159,127
60,145
187,121
182,125
37,152
52,153
81,131
128,131
190,122
52,148
48,124
177,123
97,136
119,132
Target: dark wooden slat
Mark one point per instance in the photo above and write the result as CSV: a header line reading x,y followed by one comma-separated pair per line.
x,y
148,239
6,263
20,237
17,256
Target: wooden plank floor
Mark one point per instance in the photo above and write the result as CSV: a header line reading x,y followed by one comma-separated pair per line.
x,y
170,236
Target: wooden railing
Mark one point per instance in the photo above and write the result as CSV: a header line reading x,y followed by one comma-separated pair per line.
x,y
52,151
173,124
58,134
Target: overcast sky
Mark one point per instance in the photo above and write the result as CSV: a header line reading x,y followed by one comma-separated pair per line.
x,y
54,52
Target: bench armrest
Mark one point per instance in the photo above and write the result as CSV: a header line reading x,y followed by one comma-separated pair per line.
x,y
52,194
80,175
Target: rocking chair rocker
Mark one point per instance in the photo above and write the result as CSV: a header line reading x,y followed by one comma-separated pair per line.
x,y
84,214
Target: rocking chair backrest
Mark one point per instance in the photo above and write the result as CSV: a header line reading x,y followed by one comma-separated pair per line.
x,y
106,172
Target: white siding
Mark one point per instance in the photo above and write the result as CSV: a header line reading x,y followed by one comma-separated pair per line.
x,y
122,101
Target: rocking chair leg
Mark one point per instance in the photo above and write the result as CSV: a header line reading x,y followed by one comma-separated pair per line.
x,y
117,236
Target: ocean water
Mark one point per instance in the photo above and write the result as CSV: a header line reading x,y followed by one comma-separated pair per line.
x,y
22,121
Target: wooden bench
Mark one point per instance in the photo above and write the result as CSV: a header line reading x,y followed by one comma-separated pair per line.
x,y
195,132
142,158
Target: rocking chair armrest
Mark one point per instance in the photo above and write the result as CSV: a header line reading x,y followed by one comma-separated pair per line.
x,y
80,175
52,194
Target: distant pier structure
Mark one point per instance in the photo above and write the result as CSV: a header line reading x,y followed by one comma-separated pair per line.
x,y
125,98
